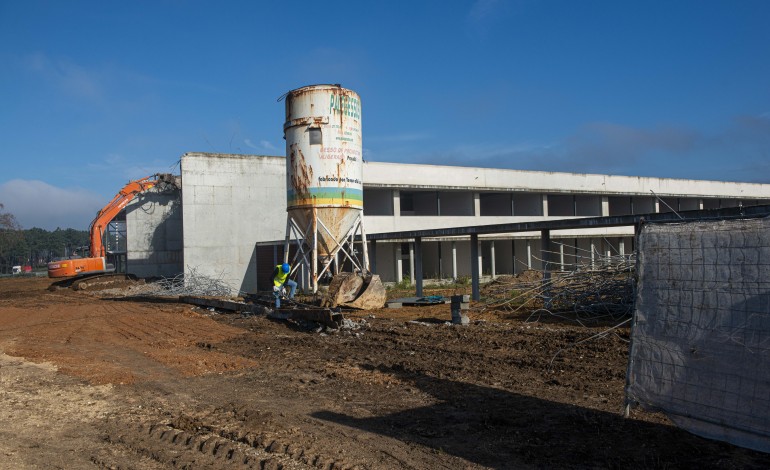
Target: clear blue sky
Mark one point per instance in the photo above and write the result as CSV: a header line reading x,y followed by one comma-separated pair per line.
x,y
96,93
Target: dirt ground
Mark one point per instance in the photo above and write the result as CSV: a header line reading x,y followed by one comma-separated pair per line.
x,y
97,380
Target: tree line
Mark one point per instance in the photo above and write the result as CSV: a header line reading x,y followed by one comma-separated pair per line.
x,y
35,247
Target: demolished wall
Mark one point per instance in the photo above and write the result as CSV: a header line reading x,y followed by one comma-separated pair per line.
x,y
154,234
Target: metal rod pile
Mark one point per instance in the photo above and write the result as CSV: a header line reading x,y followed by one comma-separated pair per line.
x,y
600,289
189,283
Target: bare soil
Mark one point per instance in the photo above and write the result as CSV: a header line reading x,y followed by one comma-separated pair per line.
x,y
98,380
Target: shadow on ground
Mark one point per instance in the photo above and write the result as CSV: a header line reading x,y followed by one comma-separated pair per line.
x,y
500,429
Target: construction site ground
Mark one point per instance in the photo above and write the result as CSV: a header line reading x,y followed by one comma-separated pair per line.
x,y
100,380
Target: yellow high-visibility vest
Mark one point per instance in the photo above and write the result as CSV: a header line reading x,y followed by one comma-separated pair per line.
x,y
280,278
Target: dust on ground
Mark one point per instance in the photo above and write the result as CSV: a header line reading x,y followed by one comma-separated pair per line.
x,y
96,379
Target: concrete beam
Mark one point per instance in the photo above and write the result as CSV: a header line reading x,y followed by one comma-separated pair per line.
x,y
579,223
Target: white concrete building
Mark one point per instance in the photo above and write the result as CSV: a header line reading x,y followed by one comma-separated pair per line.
x,y
229,203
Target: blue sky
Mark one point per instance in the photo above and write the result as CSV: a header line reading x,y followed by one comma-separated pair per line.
x,y
96,93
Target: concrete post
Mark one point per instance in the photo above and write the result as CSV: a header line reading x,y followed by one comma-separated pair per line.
x,y
475,267
529,254
476,204
373,257
454,260
418,266
513,256
411,262
399,263
492,257
545,255
396,203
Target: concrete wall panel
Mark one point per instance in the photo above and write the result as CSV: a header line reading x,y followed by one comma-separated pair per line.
x,y
154,234
231,202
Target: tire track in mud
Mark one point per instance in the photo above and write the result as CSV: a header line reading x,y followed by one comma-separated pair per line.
x,y
186,442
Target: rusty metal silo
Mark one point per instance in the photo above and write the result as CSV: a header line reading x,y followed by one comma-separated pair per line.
x,y
324,172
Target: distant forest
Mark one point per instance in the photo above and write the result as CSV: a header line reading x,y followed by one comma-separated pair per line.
x,y
35,247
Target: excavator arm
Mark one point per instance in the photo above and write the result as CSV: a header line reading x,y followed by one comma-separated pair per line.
x,y
108,212
97,263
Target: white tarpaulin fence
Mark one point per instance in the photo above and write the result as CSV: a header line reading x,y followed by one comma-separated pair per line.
x,y
700,344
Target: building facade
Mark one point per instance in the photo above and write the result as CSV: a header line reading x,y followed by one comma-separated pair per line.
x,y
232,203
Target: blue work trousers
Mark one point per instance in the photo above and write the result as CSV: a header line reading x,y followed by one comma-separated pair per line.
x,y
277,294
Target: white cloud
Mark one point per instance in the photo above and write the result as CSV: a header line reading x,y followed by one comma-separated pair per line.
x,y
38,204
739,151
403,137
116,170
267,145
262,146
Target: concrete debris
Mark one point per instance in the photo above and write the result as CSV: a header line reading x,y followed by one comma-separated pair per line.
x,y
355,291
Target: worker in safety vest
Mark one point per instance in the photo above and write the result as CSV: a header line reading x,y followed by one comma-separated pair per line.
x,y
280,279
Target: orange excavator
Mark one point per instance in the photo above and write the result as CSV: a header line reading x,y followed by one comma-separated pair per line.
x,y
97,262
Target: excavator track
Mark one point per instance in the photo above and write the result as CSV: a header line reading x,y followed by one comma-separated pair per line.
x,y
91,281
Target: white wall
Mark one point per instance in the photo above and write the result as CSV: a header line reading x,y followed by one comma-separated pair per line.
x,y
231,202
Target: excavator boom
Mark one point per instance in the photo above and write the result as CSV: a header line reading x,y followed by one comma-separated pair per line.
x,y
97,263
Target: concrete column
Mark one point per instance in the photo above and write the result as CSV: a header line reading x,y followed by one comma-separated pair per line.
x,y
545,252
513,256
475,267
545,255
529,255
622,247
492,256
700,204
545,205
576,253
561,256
418,266
454,260
657,205
476,204
373,253
411,262
605,206
396,203
593,253
399,263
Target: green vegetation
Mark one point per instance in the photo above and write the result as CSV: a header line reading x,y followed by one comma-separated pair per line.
x,y
34,247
